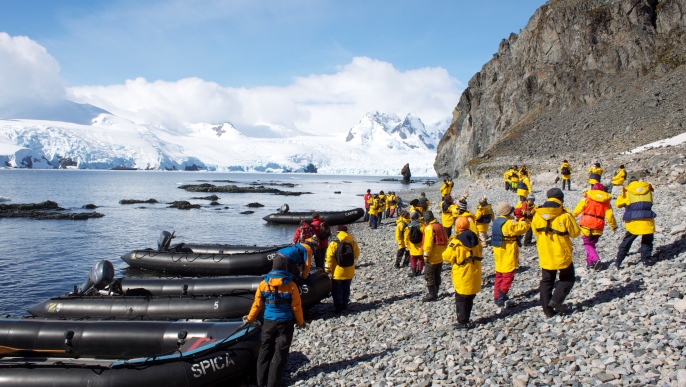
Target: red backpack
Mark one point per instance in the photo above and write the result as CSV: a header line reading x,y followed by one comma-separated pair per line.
x,y
305,232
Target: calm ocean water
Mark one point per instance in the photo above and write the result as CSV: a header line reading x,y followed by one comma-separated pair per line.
x,y
46,258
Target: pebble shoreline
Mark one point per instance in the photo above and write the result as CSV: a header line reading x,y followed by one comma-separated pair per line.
x,y
628,326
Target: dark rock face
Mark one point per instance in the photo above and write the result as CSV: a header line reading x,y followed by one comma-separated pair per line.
x,y
255,205
589,77
135,201
89,206
44,210
206,187
406,174
213,198
183,205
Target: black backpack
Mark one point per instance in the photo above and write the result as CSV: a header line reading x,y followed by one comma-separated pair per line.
x,y
415,234
565,171
344,254
324,231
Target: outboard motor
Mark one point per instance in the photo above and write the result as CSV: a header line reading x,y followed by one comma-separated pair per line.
x,y
284,209
100,276
164,240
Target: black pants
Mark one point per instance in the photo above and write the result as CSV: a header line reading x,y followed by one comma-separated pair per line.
x,y
507,186
463,306
276,342
562,288
448,230
646,248
432,274
340,292
366,215
568,182
402,257
528,237
319,256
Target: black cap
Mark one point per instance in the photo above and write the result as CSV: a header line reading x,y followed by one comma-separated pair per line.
x,y
429,216
556,193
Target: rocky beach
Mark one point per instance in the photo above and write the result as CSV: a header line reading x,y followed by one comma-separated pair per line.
x,y
628,326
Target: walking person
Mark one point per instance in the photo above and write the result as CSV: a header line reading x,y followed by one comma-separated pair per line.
x,y
434,244
464,253
341,257
639,219
402,256
554,228
278,295
594,208
566,173
414,236
506,249
526,210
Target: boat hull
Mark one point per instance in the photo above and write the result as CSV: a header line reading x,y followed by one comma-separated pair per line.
x,y
332,218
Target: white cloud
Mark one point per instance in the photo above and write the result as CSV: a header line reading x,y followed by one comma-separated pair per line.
x,y
28,74
328,103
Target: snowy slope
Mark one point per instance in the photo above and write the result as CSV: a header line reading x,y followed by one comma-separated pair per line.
x,y
380,145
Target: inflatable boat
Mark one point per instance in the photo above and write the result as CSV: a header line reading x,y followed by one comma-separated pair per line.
x,y
202,259
102,297
126,353
333,218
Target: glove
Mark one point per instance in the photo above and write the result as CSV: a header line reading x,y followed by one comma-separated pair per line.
x,y
246,321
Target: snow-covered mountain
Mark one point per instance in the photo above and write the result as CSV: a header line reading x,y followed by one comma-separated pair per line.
x,y
380,144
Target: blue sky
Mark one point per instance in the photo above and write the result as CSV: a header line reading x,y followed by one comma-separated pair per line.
x,y
249,45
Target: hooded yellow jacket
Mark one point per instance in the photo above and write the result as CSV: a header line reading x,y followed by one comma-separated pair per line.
x,y
638,217
597,196
506,257
524,182
554,244
432,251
447,214
464,252
618,178
331,266
446,188
400,227
596,171
483,217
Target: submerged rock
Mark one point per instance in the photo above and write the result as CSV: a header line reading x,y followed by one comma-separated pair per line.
x,y
43,210
206,187
183,205
135,201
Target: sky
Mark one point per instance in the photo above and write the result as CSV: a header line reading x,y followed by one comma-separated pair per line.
x,y
313,66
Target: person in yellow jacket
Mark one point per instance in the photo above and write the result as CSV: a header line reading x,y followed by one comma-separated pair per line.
x,y
391,203
617,179
464,253
279,296
448,208
424,202
507,178
461,210
382,206
374,211
341,258
435,242
595,173
447,187
402,256
514,178
554,228
523,187
639,219
594,208
566,173
506,249
483,217
414,236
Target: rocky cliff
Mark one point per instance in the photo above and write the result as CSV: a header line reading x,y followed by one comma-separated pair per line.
x,y
583,80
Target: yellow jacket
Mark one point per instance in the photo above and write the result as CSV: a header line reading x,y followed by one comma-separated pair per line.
x,y
464,252
554,245
331,266
598,196
507,175
432,251
382,202
375,207
597,171
400,228
506,257
524,180
446,188
482,213
468,215
391,201
566,177
447,214
416,249
638,217
618,178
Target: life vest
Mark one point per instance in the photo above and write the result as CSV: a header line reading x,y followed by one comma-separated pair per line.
x,y
548,229
640,206
445,208
498,238
522,185
593,215
422,203
440,236
485,218
594,176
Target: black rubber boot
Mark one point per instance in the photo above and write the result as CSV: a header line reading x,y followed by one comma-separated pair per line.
x,y
432,296
413,272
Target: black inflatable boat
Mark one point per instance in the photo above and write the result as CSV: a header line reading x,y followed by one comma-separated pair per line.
x,y
126,353
202,259
102,297
333,218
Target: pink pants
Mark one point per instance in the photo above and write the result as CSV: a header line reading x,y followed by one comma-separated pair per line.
x,y
589,245
503,282
417,262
